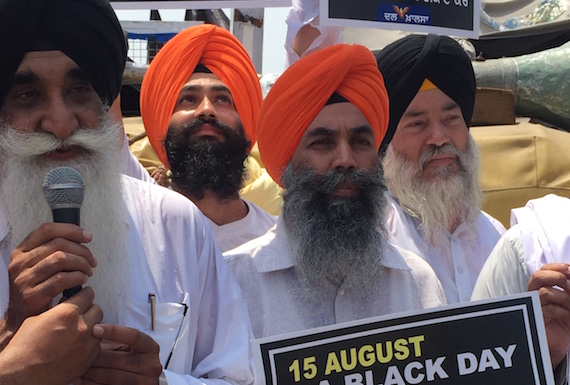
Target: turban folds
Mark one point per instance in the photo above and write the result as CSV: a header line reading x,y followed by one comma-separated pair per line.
x,y
87,31
218,50
405,64
303,90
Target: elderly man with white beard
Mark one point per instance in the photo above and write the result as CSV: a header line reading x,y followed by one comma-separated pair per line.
x,y
138,243
326,260
432,163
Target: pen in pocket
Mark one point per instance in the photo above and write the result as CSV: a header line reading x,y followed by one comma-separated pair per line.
x,y
152,301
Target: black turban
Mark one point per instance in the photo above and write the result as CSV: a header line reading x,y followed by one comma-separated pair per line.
x,y
405,64
85,30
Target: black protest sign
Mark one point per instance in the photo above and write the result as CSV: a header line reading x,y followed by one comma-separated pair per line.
x,y
492,342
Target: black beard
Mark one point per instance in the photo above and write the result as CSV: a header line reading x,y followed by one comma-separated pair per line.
x,y
334,236
203,163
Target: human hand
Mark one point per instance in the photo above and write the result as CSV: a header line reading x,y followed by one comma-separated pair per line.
x,y
54,347
555,303
127,357
50,260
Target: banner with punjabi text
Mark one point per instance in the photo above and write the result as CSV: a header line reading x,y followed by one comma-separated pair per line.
x,y
443,17
500,341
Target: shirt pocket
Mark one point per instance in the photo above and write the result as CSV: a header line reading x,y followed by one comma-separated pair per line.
x,y
170,328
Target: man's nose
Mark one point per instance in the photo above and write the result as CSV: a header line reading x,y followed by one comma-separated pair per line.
x,y
205,109
58,118
344,157
438,134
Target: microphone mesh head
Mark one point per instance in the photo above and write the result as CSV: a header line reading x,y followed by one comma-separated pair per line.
x,y
63,188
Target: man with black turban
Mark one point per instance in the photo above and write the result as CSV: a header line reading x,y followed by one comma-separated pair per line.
x,y
432,163
172,311
327,260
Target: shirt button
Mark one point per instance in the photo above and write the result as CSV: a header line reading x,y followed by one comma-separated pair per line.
x,y
460,270
341,292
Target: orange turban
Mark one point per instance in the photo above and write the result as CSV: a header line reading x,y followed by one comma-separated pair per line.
x,y
303,90
215,48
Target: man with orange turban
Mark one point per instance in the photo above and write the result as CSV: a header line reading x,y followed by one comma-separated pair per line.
x,y
432,163
200,99
326,260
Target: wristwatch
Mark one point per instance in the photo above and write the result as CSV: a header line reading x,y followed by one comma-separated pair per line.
x,y
162,379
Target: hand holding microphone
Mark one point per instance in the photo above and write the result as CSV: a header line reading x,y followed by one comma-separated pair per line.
x,y
52,258
64,191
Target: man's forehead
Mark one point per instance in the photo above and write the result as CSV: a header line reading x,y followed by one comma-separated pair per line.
x,y
204,79
430,100
338,115
34,59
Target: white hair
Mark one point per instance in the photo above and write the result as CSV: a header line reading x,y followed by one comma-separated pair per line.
x,y
24,166
442,202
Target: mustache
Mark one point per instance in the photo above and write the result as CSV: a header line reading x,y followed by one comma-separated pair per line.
x,y
193,126
326,183
434,150
31,144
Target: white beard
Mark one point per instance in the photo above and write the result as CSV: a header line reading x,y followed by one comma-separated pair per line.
x,y
24,166
442,202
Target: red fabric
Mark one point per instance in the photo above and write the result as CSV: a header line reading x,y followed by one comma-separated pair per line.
x,y
302,91
213,47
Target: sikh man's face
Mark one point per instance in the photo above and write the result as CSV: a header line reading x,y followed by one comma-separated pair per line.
x,y
53,117
334,201
430,134
205,97
338,139
50,93
205,142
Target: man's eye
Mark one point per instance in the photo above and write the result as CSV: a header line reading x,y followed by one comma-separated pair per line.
x,y
363,142
27,95
81,89
453,118
320,142
415,125
187,99
224,99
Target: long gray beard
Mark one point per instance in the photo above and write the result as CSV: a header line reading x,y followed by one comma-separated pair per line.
x,y
442,202
23,169
335,237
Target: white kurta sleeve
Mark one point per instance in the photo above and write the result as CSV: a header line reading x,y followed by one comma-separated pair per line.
x,y
504,271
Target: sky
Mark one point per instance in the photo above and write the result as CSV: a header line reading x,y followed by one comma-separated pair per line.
x,y
273,34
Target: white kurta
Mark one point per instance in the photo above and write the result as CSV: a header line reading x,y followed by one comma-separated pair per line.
x,y
199,305
305,12
504,271
131,165
538,235
278,303
467,249
253,225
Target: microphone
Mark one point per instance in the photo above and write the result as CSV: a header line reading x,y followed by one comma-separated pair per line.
x,y
63,191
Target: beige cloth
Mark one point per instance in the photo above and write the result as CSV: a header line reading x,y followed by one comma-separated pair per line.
x,y
521,162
